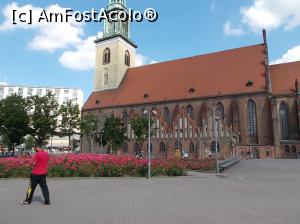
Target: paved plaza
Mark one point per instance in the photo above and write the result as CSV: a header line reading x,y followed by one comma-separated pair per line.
x,y
252,192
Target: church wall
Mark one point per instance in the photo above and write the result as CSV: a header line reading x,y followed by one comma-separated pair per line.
x,y
200,133
200,127
290,149
264,121
292,117
293,124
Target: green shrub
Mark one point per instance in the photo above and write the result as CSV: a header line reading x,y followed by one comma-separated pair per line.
x,y
142,171
174,171
21,172
56,171
85,170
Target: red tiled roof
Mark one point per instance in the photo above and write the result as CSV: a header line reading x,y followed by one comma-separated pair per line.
x,y
284,77
215,74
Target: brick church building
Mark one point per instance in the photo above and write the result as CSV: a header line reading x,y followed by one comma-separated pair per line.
x,y
234,97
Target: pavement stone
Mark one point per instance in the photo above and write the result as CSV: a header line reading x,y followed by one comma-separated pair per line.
x,y
253,191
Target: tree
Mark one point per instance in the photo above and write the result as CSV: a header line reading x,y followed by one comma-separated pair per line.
x,y
29,142
70,120
75,143
139,126
43,114
113,133
88,127
14,120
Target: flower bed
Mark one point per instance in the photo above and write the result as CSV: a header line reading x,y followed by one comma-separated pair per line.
x,y
94,165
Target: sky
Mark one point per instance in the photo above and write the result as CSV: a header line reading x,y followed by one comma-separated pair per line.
x,y
63,54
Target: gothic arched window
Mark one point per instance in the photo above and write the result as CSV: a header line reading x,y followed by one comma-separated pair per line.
x,y
287,149
124,29
220,110
203,115
105,80
125,118
176,112
125,148
234,115
178,145
284,120
190,111
167,115
151,148
162,147
106,56
192,147
127,58
136,148
252,122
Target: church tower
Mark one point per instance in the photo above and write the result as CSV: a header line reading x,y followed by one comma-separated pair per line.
x,y
115,52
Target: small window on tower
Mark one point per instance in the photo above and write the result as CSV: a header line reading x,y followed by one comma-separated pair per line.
x,y
127,58
249,83
105,78
105,83
106,56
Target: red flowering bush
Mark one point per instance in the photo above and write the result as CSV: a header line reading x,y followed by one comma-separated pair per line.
x,y
95,165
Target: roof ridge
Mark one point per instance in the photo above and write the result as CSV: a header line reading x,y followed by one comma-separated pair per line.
x,y
106,90
225,72
286,63
197,56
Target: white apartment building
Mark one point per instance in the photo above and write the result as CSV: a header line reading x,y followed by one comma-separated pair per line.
x,y
62,95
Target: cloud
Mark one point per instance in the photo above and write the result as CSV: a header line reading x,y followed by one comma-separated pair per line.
x,y
50,36
83,58
290,56
141,60
230,31
153,62
272,14
8,16
79,53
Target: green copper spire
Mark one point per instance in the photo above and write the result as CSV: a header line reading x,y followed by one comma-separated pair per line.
x,y
116,28
116,2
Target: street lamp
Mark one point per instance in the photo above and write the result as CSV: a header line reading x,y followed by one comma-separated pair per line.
x,y
238,143
101,140
250,144
230,141
2,127
179,131
92,136
216,141
1,137
149,138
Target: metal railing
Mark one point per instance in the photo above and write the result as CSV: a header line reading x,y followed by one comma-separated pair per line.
x,y
226,163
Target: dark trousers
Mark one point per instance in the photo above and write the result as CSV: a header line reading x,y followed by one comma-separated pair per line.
x,y
34,181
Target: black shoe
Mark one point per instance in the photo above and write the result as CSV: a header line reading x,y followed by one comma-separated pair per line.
x,y
47,203
24,203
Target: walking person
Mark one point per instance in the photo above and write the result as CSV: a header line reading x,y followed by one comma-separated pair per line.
x,y
38,176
